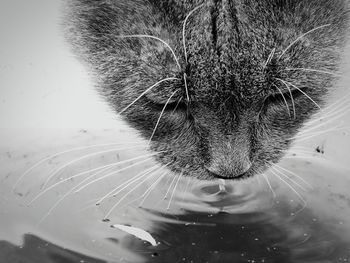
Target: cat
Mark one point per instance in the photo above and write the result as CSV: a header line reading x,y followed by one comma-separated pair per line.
x,y
218,87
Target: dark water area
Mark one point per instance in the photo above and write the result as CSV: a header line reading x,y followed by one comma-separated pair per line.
x,y
190,220
222,237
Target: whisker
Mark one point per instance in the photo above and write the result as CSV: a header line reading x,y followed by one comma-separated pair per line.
x,y
147,90
270,186
284,98
300,37
122,198
110,174
186,188
150,189
304,156
315,134
316,71
339,106
288,83
171,184
294,174
341,103
177,105
60,200
270,57
147,192
85,172
184,29
304,94
186,88
58,170
103,169
172,194
258,179
156,38
323,123
160,116
61,153
288,178
127,183
291,95
290,187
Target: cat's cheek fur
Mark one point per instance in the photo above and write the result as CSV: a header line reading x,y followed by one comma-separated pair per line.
x,y
232,56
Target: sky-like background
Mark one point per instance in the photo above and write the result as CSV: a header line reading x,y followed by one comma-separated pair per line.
x,y
42,84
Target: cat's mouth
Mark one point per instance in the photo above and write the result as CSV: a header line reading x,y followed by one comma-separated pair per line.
x,y
230,177
237,177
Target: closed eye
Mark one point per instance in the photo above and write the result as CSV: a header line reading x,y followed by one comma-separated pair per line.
x,y
174,105
282,96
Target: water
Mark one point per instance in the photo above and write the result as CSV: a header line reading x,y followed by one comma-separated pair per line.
x,y
45,92
199,221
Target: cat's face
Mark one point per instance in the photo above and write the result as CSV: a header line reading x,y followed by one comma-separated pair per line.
x,y
228,100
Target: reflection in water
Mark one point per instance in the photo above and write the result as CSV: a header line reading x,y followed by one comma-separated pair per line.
x,y
199,221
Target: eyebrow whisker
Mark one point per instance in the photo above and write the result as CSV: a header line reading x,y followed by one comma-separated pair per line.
x,y
299,38
156,38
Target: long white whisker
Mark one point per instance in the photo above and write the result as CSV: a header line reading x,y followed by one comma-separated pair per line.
x,y
85,172
315,70
304,137
127,183
338,107
148,192
99,170
58,170
186,88
300,37
147,90
270,57
270,186
184,29
292,188
323,123
64,196
291,95
110,174
160,116
288,178
284,98
177,105
294,174
122,198
167,192
61,153
156,38
303,93
172,194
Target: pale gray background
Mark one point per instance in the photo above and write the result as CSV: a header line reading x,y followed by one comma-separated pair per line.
x,y
41,84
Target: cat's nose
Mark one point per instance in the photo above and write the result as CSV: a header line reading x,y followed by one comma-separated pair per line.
x,y
229,170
